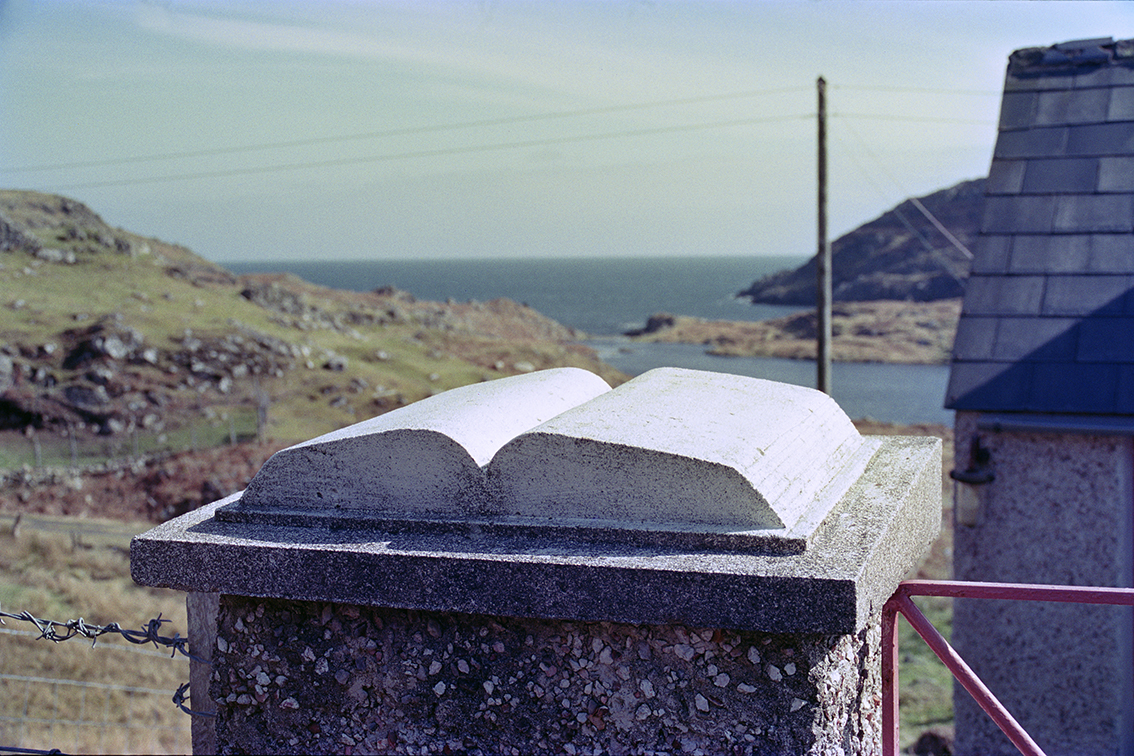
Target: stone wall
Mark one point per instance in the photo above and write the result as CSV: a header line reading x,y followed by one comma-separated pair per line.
x,y
1058,512
317,677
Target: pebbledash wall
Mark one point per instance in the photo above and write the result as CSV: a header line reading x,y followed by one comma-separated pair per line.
x,y
340,619
1043,384
1058,512
402,681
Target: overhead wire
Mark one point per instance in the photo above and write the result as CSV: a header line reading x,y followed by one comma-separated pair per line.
x,y
913,200
405,131
437,152
919,90
915,119
897,210
472,149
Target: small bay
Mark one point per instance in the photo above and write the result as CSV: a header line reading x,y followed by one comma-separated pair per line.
x,y
604,297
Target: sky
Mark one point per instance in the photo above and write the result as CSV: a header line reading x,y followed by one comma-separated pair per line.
x,y
352,129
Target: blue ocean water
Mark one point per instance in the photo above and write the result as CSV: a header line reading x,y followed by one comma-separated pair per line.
x,y
605,297
598,296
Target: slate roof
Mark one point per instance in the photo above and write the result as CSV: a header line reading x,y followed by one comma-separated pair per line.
x,y
1047,324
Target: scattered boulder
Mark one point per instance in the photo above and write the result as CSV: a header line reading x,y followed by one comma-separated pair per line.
x,y
7,372
12,239
656,322
105,339
58,256
86,397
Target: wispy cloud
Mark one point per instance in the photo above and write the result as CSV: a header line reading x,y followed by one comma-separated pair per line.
x,y
200,25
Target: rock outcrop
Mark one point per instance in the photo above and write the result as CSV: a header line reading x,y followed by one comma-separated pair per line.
x,y
106,333
900,255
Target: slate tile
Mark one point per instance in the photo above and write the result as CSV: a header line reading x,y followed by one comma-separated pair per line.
x,y
1100,139
1092,213
1035,142
1050,253
1074,387
1035,339
1017,214
1121,104
1056,57
1072,106
1005,177
1035,80
988,386
1018,110
1085,295
1124,399
1061,175
1116,174
1115,74
1106,340
1003,295
975,338
991,253
1111,253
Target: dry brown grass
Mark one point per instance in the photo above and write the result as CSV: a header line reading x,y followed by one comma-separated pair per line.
x,y
883,331
68,572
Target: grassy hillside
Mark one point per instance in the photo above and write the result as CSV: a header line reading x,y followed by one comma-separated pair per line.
x,y
108,335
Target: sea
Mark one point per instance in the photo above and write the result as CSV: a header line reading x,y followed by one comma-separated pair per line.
x,y
604,297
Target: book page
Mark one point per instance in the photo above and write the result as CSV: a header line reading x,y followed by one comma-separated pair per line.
x,y
681,447
424,459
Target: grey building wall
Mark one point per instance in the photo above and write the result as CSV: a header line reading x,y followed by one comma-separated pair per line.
x,y
1058,512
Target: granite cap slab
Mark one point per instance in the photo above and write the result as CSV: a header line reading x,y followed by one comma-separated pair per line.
x,y
875,535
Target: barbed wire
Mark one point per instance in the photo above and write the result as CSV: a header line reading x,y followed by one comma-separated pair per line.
x,y
179,701
105,646
150,632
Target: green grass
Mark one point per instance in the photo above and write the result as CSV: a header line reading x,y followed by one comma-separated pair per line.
x,y
55,451
926,685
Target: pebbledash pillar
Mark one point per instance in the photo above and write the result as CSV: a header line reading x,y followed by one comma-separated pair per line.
x,y
691,562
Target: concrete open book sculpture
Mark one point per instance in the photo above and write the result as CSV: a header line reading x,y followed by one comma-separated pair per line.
x,y
680,496
674,456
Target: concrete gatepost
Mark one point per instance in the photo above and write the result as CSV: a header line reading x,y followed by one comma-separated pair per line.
x,y
689,563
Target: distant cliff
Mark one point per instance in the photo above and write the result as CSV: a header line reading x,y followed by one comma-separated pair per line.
x,y
899,255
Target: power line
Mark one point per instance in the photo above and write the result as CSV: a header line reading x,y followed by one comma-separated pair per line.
x,y
922,90
407,131
917,119
897,210
439,152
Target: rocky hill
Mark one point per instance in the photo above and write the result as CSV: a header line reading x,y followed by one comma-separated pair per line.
x,y
876,331
899,255
113,345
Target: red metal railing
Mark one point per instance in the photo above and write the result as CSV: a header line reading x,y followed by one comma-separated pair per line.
x,y
900,603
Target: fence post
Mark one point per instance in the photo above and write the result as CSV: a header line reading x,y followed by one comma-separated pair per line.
x,y
202,611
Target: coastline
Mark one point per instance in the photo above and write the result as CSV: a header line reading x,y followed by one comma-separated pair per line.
x,y
919,333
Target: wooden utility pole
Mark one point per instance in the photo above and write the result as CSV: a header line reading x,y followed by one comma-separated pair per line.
x,y
823,259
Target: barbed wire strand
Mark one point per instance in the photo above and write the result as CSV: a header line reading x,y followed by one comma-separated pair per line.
x,y
111,646
150,632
